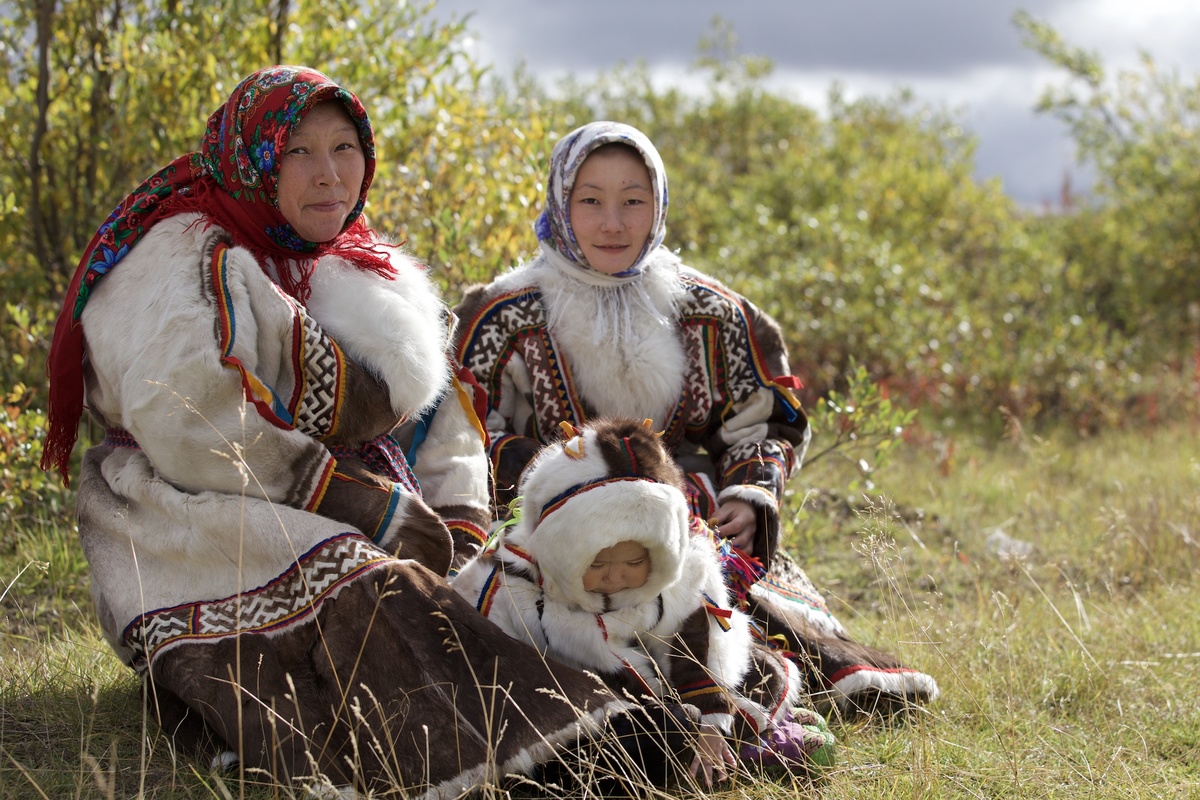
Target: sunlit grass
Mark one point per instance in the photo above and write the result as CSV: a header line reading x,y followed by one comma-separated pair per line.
x,y
1070,672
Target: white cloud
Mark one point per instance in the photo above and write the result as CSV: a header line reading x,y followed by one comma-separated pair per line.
x,y
1119,30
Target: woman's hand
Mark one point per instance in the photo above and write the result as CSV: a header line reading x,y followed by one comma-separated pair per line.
x,y
713,756
736,521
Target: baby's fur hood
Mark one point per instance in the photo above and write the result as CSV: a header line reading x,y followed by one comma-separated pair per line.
x,y
611,482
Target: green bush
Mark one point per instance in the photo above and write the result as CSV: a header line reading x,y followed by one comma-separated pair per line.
x,y
1132,248
28,496
861,229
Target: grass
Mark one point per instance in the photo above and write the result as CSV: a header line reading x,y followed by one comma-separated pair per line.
x,y
1071,672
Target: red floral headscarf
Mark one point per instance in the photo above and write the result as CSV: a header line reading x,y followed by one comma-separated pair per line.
x,y
232,179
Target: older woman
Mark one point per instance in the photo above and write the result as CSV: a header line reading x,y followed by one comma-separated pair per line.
x,y
261,548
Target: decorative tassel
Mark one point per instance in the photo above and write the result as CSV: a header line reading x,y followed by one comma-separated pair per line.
x,y
741,571
721,615
516,510
574,437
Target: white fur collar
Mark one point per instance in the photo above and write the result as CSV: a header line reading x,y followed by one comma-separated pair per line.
x,y
397,328
621,341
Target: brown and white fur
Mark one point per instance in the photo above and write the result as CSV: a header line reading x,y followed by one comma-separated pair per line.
x,y
620,485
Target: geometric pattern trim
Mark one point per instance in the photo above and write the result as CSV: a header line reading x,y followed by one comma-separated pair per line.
x,y
716,334
317,363
810,601
290,599
512,323
322,378
383,456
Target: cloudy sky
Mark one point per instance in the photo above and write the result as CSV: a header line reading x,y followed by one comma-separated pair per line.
x,y
963,55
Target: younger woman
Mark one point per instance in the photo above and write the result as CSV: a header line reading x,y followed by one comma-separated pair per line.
x,y
606,321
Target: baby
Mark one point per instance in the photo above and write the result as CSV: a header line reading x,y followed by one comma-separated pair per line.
x,y
602,569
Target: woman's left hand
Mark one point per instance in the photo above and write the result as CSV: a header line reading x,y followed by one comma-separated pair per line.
x,y
736,521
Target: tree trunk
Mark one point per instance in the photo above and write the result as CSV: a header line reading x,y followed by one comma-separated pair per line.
x,y
37,221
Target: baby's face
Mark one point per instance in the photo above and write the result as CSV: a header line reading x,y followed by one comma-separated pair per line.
x,y
625,565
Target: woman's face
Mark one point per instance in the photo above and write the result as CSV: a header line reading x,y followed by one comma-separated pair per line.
x,y
321,173
612,209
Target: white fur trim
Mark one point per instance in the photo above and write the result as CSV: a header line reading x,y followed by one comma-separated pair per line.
x,y
749,422
397,328
622,342
722,722
652,514
916,686
750,493
223,761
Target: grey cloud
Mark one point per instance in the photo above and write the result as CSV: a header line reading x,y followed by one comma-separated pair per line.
x,y
1031,154
950,52
916,37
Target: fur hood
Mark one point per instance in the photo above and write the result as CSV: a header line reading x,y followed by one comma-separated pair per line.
x,y
610,483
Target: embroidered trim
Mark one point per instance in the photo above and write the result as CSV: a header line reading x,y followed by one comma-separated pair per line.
x,y
491,587
293,598
322,484
269,406
383,456
470,529
560,499
771,585
698,689
119,437
320,380
386,519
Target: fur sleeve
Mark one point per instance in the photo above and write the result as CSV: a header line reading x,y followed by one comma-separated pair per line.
x,y
760,445
228,385
483,345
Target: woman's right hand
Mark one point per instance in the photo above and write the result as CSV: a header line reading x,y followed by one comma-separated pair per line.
x,y
737,521
713,756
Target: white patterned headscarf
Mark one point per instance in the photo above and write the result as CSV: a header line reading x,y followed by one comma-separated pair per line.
x,y
553,226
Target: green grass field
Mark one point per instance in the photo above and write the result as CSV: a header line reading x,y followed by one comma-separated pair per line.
x,y
1050,585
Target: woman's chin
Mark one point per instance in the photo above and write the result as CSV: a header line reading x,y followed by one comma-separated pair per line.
x,y
610,263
